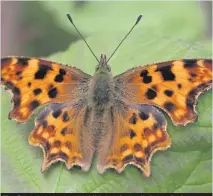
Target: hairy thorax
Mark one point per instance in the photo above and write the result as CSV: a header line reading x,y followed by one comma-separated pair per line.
x,y
100,101
101,91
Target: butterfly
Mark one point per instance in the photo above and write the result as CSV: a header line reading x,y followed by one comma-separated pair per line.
x,y
120,118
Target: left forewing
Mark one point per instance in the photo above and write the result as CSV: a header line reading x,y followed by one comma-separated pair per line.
x,y
35,82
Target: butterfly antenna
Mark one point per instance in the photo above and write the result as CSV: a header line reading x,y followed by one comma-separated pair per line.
x,y
70,19
137,21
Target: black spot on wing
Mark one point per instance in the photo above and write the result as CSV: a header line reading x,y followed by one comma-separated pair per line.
x,y
56,113
147,130
52,93
62,72
132,134
68,145
133,119
169,106
34,104
29,84
65,116
190,63
37,91
151,94
168,93
60,76
23,61
166,73
137,147
64,131
144,73
193,75
19,76
18,73
42,71
143,115
146,79
128,158
139,160
57,143
179,86
123,148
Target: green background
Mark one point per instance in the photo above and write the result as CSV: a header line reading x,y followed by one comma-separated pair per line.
x,y
167,31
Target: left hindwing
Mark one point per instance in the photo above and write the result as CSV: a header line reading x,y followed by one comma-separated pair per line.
x,y
62,133
172,86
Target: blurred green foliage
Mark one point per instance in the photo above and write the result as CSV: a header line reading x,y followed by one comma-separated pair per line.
x,y
168,31
50,30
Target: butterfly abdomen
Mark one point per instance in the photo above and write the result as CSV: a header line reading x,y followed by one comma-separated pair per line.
x,y
100,100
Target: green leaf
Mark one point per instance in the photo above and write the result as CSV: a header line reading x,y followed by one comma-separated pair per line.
x,y
185,167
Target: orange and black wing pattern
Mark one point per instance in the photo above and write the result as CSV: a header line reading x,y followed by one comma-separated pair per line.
x,y
137,134
172,86
62,134
35,82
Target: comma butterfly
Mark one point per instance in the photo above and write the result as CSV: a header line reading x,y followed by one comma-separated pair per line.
x,y
117,117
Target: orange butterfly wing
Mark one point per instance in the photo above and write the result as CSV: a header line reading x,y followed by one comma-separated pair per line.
x,y
62,133
172,86
138,132
60,129
34,82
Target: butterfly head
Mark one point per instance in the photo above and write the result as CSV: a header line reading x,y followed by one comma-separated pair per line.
x,y
103,66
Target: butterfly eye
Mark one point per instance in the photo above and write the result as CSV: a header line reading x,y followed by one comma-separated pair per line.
x,y
97,67
109,68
